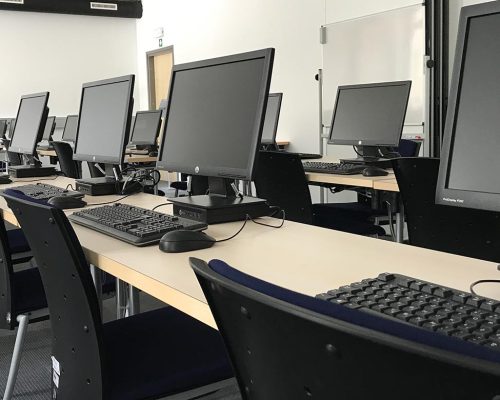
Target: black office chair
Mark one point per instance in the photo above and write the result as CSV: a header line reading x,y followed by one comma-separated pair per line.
x,y
22,298
69,167
12,158
94,171
286,345
146,356
463,231
280,179
199,185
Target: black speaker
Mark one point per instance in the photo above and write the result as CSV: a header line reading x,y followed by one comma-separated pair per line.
x,y
103,8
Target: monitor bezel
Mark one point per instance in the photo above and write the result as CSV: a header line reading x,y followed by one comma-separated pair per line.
x,y
357,142
52,127
157,129
275,128
3,132
118,160
245,173
64,130
445,195
31,151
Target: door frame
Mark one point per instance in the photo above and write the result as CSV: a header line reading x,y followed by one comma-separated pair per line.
x,y
151,72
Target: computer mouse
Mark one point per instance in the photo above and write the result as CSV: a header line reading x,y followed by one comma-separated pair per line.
x,y
65,202
374,171
185,240
4,180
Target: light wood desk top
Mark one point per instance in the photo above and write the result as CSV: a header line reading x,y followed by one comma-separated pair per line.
x,y
390,185
132,158
303,258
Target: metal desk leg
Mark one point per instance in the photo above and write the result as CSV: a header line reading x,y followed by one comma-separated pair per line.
x,y
400,223
121,299
97,278
133,301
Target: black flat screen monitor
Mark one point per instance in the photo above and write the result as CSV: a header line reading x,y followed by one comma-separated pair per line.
x,y
30,123
272,116
370,114
470,162
216,115
3,128
50,125
70,128
146,128
104,123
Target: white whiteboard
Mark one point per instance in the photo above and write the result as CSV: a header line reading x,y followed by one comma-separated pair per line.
x,y
381,47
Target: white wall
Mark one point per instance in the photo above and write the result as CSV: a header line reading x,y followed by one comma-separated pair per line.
x,y
201,29
57,53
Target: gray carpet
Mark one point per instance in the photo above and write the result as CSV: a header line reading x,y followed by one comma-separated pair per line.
x,y
33,382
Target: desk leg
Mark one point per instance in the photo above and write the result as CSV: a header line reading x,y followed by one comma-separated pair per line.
x,y
97,278
400,223
121,299
133,301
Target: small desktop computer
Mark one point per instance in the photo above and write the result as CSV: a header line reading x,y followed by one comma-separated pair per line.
x,y
214,126
370,117
103,127
28,130
145,131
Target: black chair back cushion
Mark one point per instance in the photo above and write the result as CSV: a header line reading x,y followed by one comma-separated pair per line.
x,y
71,297
69,167
280,179
462,231
285,345
6,284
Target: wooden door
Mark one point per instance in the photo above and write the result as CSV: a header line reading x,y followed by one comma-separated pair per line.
x,y
160,63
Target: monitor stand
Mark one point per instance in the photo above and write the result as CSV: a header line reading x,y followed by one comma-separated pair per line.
x,y
372,155
224,204
33,169
109,184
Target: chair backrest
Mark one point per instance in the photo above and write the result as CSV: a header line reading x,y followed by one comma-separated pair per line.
x,y
285,345
409,148
94,172
463,231
7,305
12,158
75,317
280,179
69,167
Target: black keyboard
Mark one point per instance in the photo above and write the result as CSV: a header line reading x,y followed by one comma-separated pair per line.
x,y
42,191
333,168
134,225
306,156
427,305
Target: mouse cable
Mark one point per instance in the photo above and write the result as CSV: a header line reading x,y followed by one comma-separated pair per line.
x,y
108,202
249,218
473,284
70,186
161,205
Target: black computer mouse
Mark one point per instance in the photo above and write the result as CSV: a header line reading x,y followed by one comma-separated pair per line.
x,y
185,240
374,171
4,180
65,202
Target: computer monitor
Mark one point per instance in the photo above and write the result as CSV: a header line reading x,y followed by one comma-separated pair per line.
x,y
103,129
215,120
50,125
12,124
370,115
146,128
3,128
70,128
30,123
271,121
468,173
104,123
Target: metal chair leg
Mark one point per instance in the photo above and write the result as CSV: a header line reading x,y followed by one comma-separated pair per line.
x,y
16,356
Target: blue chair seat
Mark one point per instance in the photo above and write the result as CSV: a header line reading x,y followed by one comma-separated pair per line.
x,y
17,241
130,342
27,290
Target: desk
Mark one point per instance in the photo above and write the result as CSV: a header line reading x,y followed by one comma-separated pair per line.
x,y
388,184
132,158
281,256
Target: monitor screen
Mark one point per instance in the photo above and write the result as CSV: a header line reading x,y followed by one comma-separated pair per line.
x,y
370,114
30,123
146,128
216,114
272,116
70,128
49,128
103,126
468,174
3,128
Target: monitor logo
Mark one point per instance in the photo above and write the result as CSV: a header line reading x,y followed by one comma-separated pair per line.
x,y
93,158
459,201
197,169
360,142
